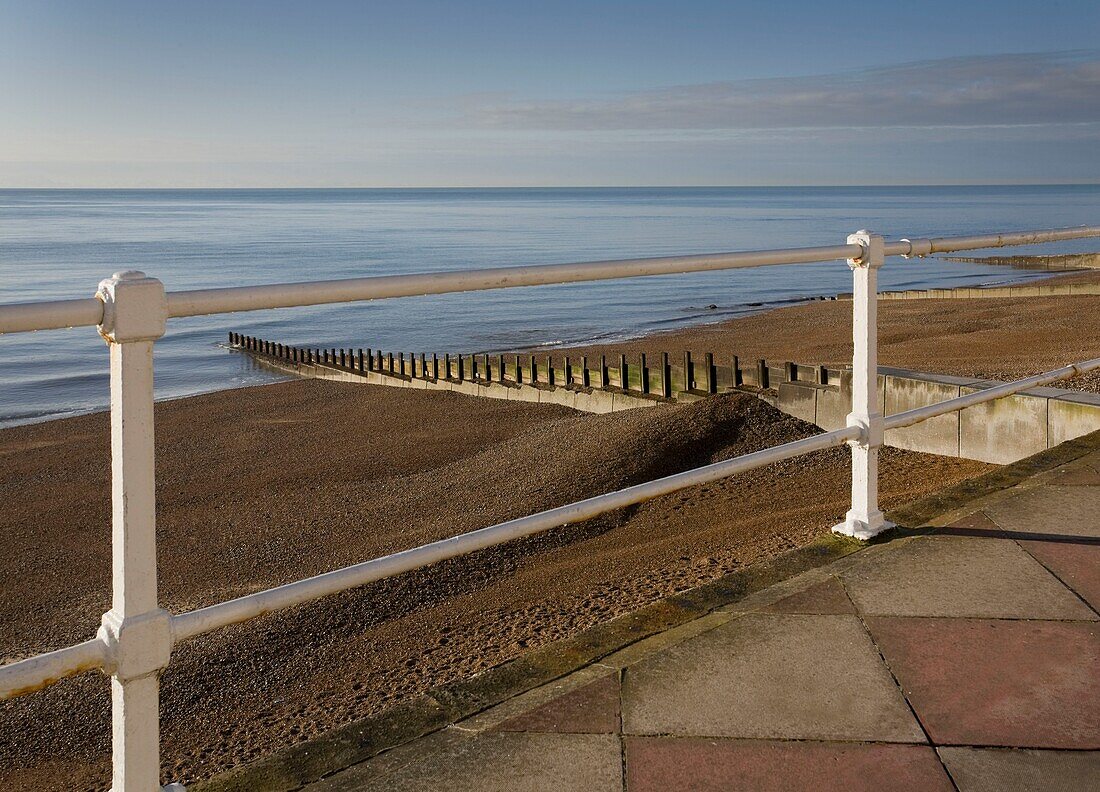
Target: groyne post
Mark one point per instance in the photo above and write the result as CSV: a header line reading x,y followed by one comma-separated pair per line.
x,y
865,519
586,377
603,372
645,374
708,364
666,376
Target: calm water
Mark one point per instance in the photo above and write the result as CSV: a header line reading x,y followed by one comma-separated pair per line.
x,y
60,243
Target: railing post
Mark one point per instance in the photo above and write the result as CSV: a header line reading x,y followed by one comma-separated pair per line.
x,y
864,519
138,633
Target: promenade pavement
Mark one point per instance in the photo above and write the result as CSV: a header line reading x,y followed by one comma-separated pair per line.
x,y
965,656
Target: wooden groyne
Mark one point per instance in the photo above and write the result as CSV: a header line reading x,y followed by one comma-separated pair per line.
x,y
1000,432
599,384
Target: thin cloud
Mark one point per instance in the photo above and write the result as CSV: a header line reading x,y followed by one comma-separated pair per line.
x,y
1040,88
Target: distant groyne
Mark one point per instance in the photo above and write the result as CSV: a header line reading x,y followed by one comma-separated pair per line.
x,y
1068,261
1000,432
990,292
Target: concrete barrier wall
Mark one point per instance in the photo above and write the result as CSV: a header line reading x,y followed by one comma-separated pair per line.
x,y
1000,432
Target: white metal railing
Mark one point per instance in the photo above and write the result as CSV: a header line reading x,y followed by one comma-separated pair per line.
x,y
135,639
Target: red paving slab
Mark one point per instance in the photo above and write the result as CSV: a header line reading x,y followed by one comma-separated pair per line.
x,y
993,682
1076,563
663,764
978,521
592,709
827,597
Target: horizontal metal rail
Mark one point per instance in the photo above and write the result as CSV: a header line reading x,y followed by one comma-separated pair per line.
x,y
252,605
28,675
910,417
35,673
53,315
24,317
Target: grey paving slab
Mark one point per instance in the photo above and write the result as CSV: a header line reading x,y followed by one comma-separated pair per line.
x,y
1069,512
961,577
770,676
1001,770
494,762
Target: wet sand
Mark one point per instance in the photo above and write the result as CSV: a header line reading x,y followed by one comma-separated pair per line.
x,y
266,485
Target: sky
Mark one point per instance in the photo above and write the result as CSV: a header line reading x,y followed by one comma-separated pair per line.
x,y
519,93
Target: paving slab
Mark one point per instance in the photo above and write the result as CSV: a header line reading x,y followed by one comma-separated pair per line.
x,y
1001,770
1077,565
1080,476
495,762
592,709
661,764
962,577
1029,684
827,597
1067,512
770,676
977,524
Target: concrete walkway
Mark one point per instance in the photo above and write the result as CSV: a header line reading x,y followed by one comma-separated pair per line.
x,y
966,657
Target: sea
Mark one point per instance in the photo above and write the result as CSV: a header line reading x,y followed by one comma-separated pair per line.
x,y
57,244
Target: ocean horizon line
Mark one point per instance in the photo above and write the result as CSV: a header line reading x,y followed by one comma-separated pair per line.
x,y
549,188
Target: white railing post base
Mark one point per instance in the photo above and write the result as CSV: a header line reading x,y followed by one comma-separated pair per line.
x,y
863,528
